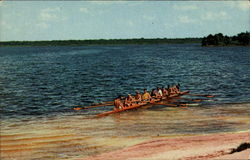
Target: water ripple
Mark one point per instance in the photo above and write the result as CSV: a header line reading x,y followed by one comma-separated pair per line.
x,y
47,80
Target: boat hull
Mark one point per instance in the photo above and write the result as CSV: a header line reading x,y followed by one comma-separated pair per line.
x,y
137,105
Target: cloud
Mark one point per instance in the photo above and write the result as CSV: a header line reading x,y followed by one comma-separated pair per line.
x,y
100,2
169,25
107,2
43,25
212,16
146,17
131,23
185,19
5,25
242,5
2,4
49,14
185,7
84,10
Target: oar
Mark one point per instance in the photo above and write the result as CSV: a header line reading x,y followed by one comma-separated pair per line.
x,y
79,108
101,103
194,100
174,99
108,103
202,95
168,104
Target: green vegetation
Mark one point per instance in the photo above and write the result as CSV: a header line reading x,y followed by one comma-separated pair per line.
x,y
221,40
101,42
211,40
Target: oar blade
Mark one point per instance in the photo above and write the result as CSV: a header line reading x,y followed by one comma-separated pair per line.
x,y
210,96
78,108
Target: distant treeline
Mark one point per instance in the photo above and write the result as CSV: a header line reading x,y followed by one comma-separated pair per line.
x,y
224,40
101,42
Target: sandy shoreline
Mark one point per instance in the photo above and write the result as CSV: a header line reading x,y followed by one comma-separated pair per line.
x,y
159,133
212,146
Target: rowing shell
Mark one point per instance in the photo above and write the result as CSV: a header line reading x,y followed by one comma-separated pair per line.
x,y
137,105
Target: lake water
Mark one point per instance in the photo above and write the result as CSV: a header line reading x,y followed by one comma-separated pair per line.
x,y
40,86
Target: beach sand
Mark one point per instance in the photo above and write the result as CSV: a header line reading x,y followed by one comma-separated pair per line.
x,y
212,146
147,133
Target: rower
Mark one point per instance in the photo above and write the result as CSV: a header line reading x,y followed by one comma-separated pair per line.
x,y
159,92
146,96
172,90
169,90
164,92
118,103
176,89
129,100
138,97
153,93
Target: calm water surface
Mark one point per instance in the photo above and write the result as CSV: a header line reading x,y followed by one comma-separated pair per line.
x,y
39,86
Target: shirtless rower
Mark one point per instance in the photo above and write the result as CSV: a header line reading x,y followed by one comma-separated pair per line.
x,y
172,90
155,93
129,100
138,97
164,92
176,89
118,103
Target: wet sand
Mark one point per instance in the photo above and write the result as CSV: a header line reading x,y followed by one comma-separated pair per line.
x,y
147,129
214,146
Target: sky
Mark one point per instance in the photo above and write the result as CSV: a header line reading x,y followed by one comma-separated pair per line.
x,y
79,20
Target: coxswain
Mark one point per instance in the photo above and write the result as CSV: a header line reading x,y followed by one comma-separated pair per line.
x,y
146,96
118,103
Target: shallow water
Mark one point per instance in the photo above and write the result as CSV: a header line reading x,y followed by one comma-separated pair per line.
x,y
40,86
69,137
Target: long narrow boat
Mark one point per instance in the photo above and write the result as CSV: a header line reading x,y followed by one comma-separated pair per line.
x,y
138,105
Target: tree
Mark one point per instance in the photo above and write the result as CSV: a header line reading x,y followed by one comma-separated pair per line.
x,y
244,38
204,41
226,40
220,39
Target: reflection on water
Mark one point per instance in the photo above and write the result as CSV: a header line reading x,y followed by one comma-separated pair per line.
x,y
63,137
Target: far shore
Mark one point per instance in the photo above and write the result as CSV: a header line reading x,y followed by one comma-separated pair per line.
x,y
201,147
135,41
